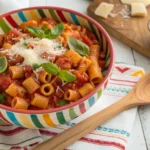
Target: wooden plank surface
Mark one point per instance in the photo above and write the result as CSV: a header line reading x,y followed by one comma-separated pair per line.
x,y
144,111
134,31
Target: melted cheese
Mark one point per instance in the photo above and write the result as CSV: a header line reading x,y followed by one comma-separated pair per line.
x,y
38,47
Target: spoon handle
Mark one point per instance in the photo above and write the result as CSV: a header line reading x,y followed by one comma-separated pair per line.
x,y
68,137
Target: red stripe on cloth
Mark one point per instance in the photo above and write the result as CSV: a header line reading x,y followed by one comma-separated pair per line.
x,y
11,21
104,143
12,132
61,16
89,140
110,136
47,132
122,70
16,147
34,144
123,80
121,84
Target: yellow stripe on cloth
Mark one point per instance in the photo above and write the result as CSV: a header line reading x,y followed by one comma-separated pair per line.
x,y
138,73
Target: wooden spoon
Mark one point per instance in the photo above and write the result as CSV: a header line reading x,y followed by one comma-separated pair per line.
x,y
140,95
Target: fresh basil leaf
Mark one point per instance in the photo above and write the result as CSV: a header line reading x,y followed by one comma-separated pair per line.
x,y
54,69
45,32
2,98
51,36
78,46
38,32
62,102
44,27
35,66
67,76
58,29
50,68
3,64
55,31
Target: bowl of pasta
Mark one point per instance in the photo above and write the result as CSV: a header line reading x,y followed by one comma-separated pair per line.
x,y
54,65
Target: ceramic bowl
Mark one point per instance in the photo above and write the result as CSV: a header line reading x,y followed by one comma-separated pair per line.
x,y
47,118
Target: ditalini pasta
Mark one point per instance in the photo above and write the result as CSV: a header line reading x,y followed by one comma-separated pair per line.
x,y
44,62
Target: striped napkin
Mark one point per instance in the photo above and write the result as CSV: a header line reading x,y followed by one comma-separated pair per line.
x,y
112,135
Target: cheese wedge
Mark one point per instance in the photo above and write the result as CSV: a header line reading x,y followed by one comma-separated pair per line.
x,y
129,2
138,9
104,9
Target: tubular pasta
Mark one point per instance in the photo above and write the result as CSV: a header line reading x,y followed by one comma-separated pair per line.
x,y
19,103
31,85
44,77
47,89
84,64
95,51
16,90
71,95
74,57
16,72
94,71
40,101
84,90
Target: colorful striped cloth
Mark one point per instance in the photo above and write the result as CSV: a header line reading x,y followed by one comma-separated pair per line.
x,y
112,135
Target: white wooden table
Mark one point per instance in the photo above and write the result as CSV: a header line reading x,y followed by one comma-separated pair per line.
x,y
140,137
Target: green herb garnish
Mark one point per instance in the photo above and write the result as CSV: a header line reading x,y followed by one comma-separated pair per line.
x,y
45,32
3,64
66,76
62,102
55,70
44,27
78,46
35,66
2,98
25,44
51,68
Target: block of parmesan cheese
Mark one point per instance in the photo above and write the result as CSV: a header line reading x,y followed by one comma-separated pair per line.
x,y
104,9
129,2
138,9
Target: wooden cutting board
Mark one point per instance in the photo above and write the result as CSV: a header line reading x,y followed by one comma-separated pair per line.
x,y
134,32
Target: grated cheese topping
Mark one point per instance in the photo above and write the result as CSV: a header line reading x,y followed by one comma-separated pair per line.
x,y
32,50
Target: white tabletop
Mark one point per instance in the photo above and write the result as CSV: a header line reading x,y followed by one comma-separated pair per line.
x,y
140,137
